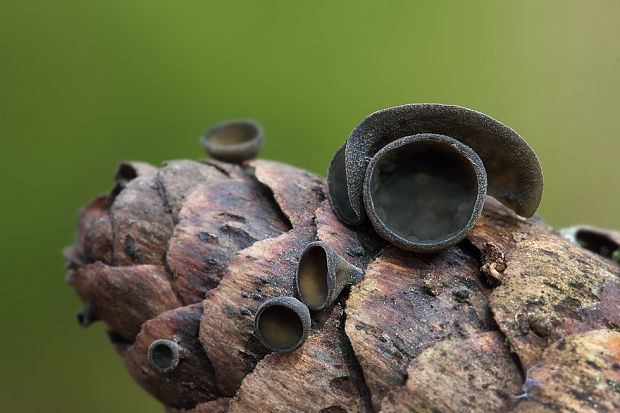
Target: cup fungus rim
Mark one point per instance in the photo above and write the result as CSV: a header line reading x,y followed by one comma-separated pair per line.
x,y
293,304
463,151
242,151
174,348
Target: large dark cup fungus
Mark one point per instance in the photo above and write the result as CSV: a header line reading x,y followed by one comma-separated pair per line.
x,y
424,192
234,141
164,355
411,170
282,323
322,274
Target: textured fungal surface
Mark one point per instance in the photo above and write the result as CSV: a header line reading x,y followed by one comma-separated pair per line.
x,y
515,175
282,323
425,192
513,317
312,277
322,274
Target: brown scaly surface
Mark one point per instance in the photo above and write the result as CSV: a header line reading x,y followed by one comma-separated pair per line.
x,y
513,318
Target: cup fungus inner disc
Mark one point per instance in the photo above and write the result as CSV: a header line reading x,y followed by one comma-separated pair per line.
x,y
233,134
312,277
280,327
424,191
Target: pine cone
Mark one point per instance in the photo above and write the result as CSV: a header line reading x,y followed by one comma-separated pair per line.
x,y
188,252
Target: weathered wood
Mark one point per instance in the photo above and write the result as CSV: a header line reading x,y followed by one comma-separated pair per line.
x,y
255,274
216,221
579,373
177,179
215,406
125,297
296,191
318,377
476,374
126,171
553,289
96,210
193,380
141,223
408,302
356,244
414,331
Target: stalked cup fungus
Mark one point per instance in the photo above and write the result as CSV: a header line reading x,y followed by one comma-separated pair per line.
x,y
420,173
164,355
322,274
282,323
234,141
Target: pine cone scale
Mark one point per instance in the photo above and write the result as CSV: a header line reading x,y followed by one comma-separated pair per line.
x,y
188,252
141,224
216,221
111,294
255,274
442,297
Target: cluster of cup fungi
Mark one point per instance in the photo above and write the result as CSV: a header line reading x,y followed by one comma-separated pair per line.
x,y
420,173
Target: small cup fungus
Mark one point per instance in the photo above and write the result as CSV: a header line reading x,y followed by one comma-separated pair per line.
x,y
282,323
234,141
322,274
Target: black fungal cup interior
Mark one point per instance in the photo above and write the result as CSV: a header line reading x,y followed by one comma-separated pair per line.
x,y
164,355
280,327
312,277
425,191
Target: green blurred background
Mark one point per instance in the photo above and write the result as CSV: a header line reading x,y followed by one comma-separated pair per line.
x,y
84,84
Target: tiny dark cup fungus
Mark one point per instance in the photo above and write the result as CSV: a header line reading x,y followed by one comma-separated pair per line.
x,y
164,355
282,323
234,141
85,317
322,274
361,182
